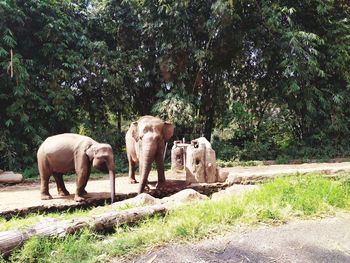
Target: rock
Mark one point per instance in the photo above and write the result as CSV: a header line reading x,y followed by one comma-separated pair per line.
x,y
235,190
222,175
177,156
139,200
183,196
10,177
200,162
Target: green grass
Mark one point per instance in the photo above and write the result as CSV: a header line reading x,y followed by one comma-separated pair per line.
x,y
275,202
233,163
22,223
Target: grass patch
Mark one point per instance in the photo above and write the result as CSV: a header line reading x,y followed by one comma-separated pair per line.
x,y
234,163
275,202
22,223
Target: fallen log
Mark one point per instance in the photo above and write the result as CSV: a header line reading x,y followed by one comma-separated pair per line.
x,y
9,240
10,177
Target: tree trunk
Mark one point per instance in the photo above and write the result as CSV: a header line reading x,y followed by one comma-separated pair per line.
x,y
209,124
208,108
119,122
10,240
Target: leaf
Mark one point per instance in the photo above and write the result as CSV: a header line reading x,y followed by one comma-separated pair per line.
x,y
9,123
9,41
3,52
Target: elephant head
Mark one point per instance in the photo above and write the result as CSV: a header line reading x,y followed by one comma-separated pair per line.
x,y
151,134
101,155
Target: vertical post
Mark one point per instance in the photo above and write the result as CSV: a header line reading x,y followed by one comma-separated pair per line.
x,y
184,152
166,145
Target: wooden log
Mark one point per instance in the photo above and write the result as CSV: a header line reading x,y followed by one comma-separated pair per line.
x,y
10,240
116,218
10,177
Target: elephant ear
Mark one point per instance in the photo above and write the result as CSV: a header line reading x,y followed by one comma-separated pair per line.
x,y
90,152
168,130
134,130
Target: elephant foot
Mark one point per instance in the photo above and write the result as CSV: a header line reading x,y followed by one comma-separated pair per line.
x,y
132,181
63,193
160,185
46,197
78,198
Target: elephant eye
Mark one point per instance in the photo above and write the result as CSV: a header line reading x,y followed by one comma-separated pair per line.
x,y
141,137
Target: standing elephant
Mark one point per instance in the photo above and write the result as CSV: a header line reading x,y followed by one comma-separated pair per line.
x,y
68,152
145,142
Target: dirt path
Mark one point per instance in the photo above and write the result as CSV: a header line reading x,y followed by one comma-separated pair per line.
x,y
258,173
320,240
26,195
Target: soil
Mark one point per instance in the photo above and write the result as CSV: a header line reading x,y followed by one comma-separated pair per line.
x,y
317,240
26,195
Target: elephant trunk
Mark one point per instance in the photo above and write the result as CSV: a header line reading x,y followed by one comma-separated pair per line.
x,y
112,183
148,158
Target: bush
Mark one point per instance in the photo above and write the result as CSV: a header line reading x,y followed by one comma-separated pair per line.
x,y
30,173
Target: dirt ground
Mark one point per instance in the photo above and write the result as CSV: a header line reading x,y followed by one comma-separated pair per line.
x,y
26,195
318,240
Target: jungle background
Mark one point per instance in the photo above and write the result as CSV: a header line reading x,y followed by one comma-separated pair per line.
x,y
261,79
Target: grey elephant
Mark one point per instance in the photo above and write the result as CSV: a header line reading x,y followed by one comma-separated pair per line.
x,y
145,143
69,152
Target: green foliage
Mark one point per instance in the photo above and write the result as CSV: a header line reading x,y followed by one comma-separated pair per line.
x,y
276,201
74,248
180,111
233,163
303,195
266,79
32,172
121,162
37,100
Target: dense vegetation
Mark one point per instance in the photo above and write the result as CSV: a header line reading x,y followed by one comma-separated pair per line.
x,y
275,202
261,79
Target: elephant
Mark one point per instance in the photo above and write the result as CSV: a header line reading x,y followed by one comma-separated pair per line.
x,y
68,152
145,143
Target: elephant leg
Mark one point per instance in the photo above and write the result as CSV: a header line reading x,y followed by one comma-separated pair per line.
x,y
83,191
44,180
82,177
132,179
160,170
61,188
